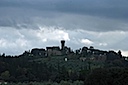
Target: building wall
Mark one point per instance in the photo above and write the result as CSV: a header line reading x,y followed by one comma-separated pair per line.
x,y
51,52
55,52
38,52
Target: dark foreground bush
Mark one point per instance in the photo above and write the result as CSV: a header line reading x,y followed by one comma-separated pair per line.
x,y
110,76
50,83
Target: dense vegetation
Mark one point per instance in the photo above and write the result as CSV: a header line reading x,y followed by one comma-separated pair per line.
x,y
50,83
55,70
108,76
21,69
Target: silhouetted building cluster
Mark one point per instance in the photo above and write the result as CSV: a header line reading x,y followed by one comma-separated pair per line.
x,y
97,55
50,51
83,54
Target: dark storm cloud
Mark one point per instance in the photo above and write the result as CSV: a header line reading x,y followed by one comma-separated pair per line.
x,y
106,8
94,15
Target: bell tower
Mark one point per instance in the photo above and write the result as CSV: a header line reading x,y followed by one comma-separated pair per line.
x,y
62,44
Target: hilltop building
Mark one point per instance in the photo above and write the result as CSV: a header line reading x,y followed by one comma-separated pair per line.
x,y
92,54
52,51
57,51
38,52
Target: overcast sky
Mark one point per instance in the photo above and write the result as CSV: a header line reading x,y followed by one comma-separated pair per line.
x,y
27,24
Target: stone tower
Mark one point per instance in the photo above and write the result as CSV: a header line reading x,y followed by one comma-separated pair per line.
x,y
62,44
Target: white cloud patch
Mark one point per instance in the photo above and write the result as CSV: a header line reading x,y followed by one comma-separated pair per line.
x,y
13,47
125,53
86,41
51,33
103,44
3,42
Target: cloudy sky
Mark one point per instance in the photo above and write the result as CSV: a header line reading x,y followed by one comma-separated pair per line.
x,y
27,24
